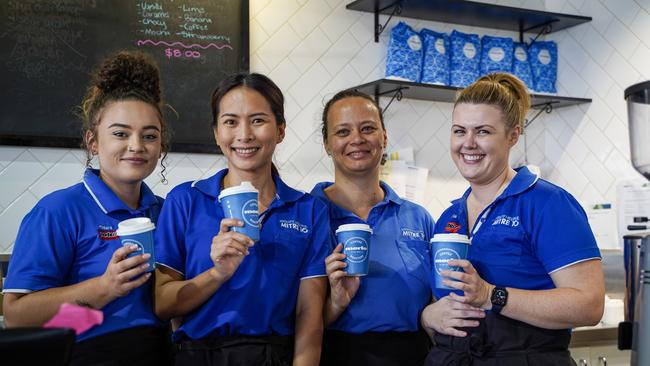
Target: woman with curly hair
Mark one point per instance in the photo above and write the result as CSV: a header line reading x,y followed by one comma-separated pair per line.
x,y
67,249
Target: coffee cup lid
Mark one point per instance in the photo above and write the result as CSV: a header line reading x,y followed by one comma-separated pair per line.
x,y
459,238
350,227
134,226
244,187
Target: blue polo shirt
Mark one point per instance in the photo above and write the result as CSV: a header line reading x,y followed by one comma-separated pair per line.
x,y
260,298
396,289
531,230
69,237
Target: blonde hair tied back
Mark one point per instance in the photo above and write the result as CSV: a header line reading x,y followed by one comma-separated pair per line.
x,y
503,90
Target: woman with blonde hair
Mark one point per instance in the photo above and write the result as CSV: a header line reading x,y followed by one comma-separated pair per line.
x,y
533,264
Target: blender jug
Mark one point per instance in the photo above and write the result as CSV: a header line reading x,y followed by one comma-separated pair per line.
x,y
638,114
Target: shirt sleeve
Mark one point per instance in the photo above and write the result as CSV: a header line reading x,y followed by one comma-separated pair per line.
x,y
43,253
170,236
429,226
562,236
322,244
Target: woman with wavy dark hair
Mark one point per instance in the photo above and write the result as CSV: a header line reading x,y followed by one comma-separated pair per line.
x,y
67,249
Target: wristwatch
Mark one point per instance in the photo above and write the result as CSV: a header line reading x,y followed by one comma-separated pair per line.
x,y
499,299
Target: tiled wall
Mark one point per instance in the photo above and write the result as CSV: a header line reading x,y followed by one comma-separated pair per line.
x,y
313,48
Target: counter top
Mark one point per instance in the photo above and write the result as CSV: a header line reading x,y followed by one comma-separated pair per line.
x,y
594,336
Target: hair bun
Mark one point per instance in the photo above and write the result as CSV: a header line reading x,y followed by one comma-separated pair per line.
x,y
129,72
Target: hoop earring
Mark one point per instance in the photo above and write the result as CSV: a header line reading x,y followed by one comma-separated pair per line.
x,y
163,179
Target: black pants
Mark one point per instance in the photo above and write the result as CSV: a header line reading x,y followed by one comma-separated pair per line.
x,y
501,341
374,348
236,351
139,346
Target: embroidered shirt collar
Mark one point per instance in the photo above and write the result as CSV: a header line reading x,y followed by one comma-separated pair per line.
x,y
212,187
107,200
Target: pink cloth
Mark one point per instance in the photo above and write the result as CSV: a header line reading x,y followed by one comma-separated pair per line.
x,y
79,318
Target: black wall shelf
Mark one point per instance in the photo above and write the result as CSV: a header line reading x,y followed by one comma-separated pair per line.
x,y
470,13
398,89
447,94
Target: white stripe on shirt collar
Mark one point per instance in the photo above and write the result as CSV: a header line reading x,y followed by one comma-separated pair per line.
x,y
483,217
95,198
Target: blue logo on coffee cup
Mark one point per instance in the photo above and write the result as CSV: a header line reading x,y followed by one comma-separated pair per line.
x,y
249,212
356,249
442,256
129,242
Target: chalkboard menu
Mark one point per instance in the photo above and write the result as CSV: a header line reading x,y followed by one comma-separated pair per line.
x,y
49,49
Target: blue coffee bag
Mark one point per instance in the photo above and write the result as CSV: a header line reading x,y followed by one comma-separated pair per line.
x,y
521,65
543,63
496,54
465,57
404,58
435,64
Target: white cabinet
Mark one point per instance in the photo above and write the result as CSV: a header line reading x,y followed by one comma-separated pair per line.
x,y
580,355
608,355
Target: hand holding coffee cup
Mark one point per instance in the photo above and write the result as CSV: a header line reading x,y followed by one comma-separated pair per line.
x,y
342,286
124,273
475,290
229,248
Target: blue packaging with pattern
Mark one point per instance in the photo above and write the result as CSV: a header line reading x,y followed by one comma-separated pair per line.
x,y
521,65
435,64
465,57
404,58
543,63
496,54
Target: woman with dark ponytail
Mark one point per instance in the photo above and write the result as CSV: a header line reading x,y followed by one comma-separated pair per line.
x,y
244,301
67,249
533,266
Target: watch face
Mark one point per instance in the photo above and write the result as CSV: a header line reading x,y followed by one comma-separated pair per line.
x,y
499,296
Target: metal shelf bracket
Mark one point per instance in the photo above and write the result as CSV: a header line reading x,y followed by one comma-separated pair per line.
x,y
546,107
397,94
546,28
397,9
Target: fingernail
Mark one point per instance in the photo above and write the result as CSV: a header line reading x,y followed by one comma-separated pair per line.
x,y
133,246
145,265
146,256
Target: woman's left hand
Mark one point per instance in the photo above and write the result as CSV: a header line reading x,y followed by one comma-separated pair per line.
x,y
476,290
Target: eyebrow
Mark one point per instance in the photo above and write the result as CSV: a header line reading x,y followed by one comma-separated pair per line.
x,y
256,114
122,125
365,121
475,127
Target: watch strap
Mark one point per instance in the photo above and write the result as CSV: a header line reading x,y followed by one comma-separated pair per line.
x,y
498,298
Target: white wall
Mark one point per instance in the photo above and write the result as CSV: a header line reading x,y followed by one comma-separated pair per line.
x,y
313,48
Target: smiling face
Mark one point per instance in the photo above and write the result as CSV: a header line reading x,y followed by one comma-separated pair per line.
x,y
480,144
246,130
355,138
127,142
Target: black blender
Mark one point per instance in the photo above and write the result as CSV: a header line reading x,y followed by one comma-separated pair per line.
x,y
634,333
